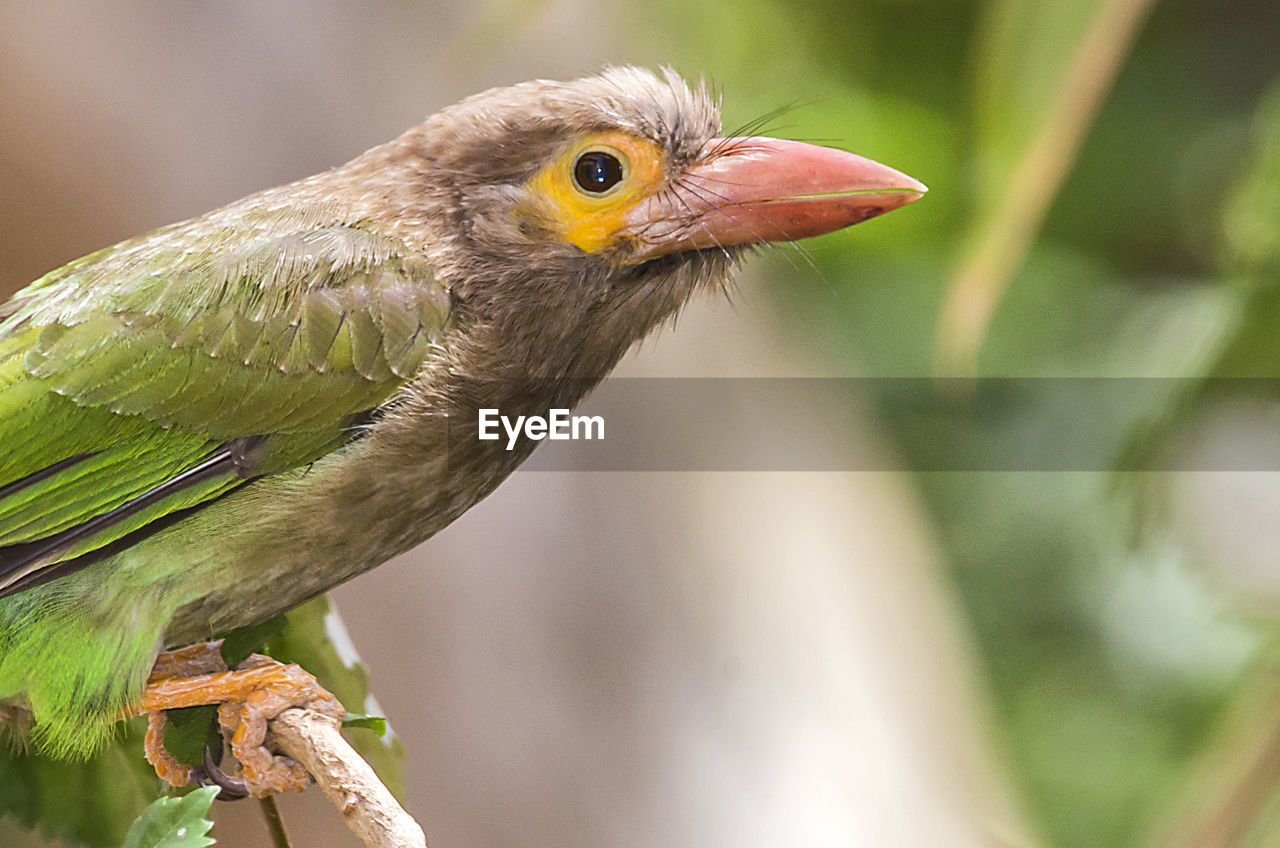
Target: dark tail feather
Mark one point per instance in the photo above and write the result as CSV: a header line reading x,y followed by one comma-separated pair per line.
x,y
20,565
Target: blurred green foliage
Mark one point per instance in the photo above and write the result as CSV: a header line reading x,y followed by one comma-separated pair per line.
x,y
88,804
1110,662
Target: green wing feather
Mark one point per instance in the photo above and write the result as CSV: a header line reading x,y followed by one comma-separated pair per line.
x,y
139,365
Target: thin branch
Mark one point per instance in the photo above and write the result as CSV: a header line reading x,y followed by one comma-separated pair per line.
x,y
370,810
984,273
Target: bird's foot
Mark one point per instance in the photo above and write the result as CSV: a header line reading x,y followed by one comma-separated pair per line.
x,y
249,696
202,658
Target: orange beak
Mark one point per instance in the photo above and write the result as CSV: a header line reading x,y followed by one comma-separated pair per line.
x,y
764,189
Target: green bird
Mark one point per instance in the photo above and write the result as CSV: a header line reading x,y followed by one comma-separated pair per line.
x,y
209,424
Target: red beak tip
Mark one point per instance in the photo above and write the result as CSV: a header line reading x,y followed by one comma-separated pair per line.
x,y
771,190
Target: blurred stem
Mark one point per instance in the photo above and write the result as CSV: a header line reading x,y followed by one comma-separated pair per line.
x,y
275,824
999,248
1229,802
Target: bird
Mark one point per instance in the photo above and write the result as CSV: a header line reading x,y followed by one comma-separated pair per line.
x,y
209,424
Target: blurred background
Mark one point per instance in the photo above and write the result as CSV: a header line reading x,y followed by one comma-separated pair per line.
x,y
1058,655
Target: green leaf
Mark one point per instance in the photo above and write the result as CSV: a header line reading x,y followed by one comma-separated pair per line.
x,y
239,644
378,724
88,803
188,730
174,822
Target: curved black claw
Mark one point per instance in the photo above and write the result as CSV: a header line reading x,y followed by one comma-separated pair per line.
x,y
210,774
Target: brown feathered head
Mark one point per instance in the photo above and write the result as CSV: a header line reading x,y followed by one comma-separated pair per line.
x,y
570,218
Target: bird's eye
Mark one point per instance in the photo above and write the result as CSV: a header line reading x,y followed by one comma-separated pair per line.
x,y
596,172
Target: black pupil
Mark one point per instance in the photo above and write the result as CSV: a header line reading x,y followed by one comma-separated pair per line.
x,y
597,172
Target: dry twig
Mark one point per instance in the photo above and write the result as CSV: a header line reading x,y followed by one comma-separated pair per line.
x,y
370,810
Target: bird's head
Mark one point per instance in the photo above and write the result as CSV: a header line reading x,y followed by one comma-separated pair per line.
x,y
581,214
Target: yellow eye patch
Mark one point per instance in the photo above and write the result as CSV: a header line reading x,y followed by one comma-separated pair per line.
x,y
586,193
